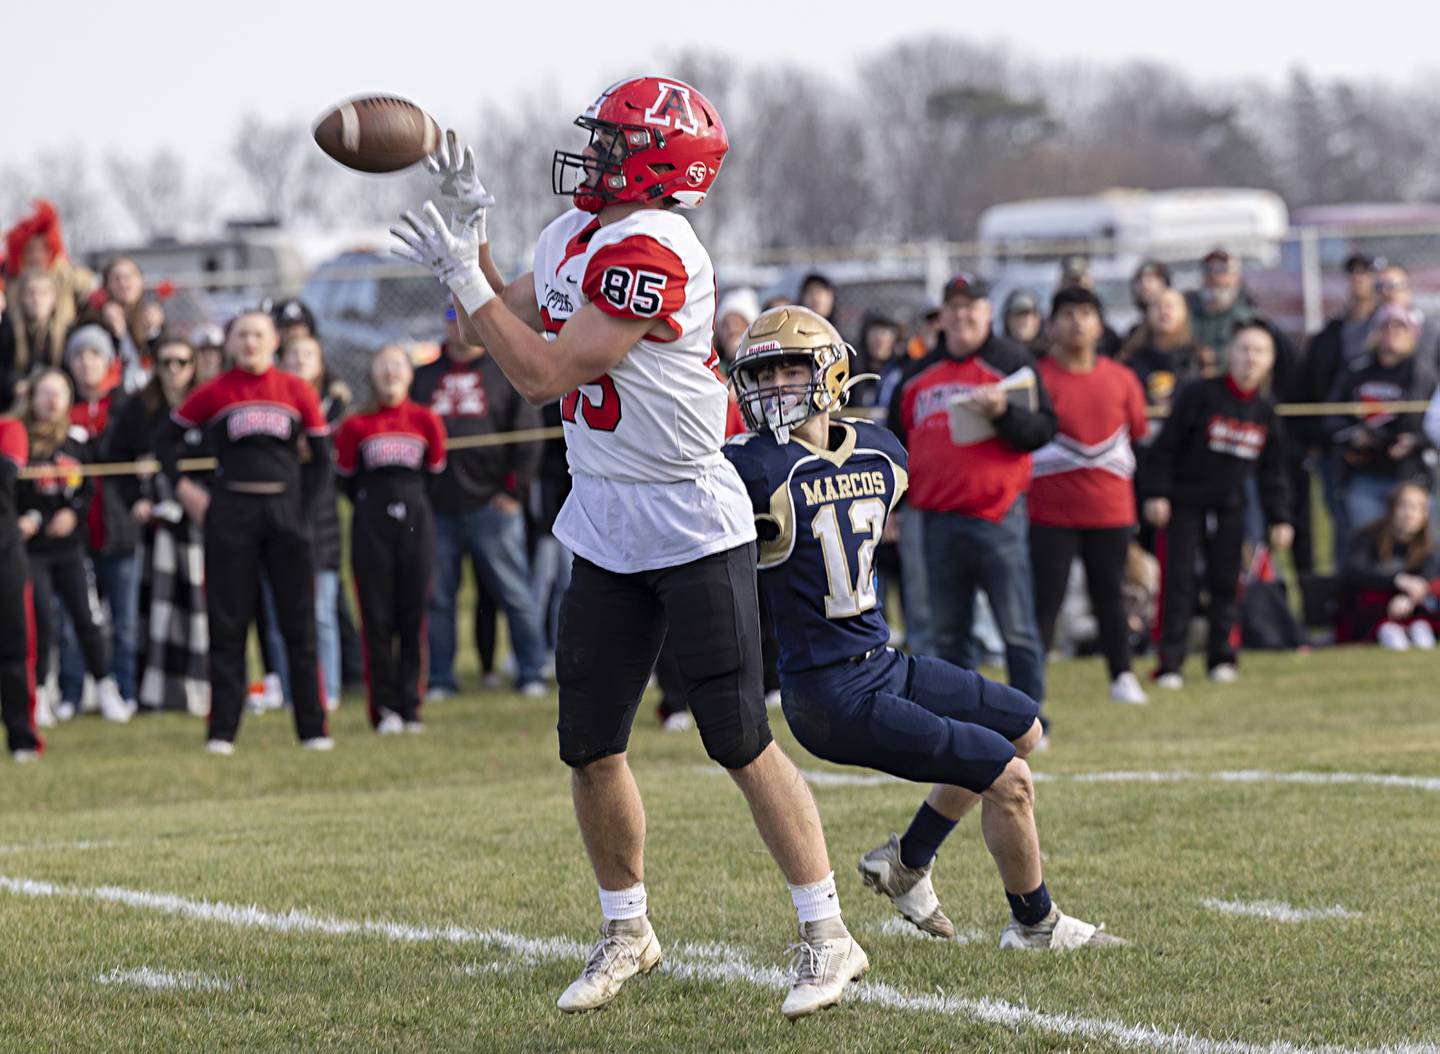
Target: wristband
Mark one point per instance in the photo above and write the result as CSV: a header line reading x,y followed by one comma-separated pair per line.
x,y
470,288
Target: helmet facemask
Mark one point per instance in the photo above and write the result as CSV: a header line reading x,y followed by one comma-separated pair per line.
x,y
777,408
596,177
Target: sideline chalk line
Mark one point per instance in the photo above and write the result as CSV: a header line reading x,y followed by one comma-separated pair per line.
x,y
702,962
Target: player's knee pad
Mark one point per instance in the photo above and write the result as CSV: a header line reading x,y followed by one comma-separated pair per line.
x,y
736,746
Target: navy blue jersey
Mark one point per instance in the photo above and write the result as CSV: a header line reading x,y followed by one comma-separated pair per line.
x,y
819,515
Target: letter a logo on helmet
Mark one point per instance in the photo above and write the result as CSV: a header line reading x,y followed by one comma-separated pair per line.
x,y
671,109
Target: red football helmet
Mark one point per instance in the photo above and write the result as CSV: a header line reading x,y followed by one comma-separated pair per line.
x,y
650,138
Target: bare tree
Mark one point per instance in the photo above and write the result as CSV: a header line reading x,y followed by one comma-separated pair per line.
x,y
155,192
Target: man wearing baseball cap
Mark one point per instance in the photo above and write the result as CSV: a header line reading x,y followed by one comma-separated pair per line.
x,y
972,497
1219,303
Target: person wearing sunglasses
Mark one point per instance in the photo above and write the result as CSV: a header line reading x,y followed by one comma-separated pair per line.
x,y
170,649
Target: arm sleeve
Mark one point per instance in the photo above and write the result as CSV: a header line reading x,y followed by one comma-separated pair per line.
x,y
1135,406
1360,569
314,471
1028,430
434,443
201,405
637,278
312,418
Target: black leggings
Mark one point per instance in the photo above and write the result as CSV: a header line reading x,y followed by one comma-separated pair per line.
x,y
17,635
67,575
1102,550
1220,534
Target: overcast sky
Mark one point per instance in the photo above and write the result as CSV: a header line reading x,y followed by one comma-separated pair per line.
x,y
139,74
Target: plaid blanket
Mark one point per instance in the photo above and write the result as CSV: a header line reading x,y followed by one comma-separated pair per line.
x,y
173,633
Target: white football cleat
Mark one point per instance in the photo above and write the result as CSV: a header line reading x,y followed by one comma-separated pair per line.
x,y
1224,673
1056,932
1171,682
909,888
627,947
823,963
223,747
1126,689
390,725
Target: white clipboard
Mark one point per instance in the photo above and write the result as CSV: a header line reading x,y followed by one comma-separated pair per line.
x,y
968,426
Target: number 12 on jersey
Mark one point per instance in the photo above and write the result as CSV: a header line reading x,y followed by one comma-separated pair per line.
x,y
848,597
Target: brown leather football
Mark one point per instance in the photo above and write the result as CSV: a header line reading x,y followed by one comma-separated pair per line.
x,y
377,133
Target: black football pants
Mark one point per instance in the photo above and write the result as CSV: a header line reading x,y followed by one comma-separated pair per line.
x,y
392,552
245,535
17,656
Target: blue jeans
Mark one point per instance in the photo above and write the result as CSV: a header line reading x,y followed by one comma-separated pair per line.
x,y
495,541
919,639
1331,470
965,552
552,577
117,580
1366,499
327,633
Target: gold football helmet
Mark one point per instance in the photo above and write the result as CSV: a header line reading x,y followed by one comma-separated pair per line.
x,y
789,335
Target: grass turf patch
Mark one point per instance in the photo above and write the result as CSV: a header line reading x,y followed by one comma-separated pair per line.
x,y
470,825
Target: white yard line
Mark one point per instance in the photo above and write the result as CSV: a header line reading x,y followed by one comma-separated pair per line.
x,y
703,962
1276,910
826,778
56,847
161,981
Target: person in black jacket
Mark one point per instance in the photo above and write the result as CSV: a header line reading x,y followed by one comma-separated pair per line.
x,y
1380,450
170,666
1220,431
1391,577
17,614
477,507
51,508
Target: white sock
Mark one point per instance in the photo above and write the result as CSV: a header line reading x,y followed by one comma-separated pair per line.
x,y
817,901
624,903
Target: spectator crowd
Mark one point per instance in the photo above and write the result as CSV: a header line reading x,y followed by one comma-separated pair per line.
x,y
1071,487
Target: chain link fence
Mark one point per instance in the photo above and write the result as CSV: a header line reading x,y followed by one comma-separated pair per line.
x,y
365,299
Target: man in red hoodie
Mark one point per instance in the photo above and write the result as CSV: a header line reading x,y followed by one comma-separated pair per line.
x,y
972,497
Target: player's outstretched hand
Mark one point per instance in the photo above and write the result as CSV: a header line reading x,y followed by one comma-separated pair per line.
x,y
461,192
452,256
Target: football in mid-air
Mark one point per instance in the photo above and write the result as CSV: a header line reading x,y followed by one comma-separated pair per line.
x,y
377,133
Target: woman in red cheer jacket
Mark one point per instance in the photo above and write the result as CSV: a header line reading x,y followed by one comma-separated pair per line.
x,y
1082,498
1391,576
255,518
382,455
17,611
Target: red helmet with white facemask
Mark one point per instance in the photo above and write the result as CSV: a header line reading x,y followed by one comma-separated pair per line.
x,y
651,138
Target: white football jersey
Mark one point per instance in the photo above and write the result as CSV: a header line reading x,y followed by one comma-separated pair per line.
x,y
643,441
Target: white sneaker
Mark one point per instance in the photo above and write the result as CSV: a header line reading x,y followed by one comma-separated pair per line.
x,y
24,757
1392,635
1171,682
320,743
626,947
390,725
823,963
533,690
274,692
112,706
1225,673
415,728
679,721
772,699
439,694
1056,931
1126,689
1421,635
223,747
492,681
65,710
909,888
44,712
331,705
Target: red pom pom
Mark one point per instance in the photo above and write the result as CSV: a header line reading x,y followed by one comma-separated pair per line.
x,y
164,290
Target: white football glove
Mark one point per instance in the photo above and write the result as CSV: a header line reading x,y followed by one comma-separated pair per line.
x,y
461,192
452,257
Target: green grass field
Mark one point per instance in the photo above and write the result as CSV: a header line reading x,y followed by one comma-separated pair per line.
x,y
128,849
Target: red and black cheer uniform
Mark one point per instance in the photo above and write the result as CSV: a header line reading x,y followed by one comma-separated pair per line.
x,y
1082,498
257,520
1215,438
382,459
58,566
17,612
